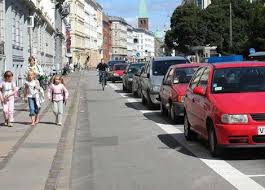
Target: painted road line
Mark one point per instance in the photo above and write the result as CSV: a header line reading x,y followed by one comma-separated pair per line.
x,y
221,167
113,86
262,175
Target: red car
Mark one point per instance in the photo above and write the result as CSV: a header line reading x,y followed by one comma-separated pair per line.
x,y
118,72
225,105
174,88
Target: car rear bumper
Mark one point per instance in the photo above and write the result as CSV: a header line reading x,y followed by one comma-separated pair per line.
x,y
116,78
239,136
178,108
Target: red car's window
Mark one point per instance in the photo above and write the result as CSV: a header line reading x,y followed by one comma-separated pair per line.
x,y
236,80
184,75
196,78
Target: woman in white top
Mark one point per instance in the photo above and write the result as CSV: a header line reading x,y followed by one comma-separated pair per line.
x,y
32,88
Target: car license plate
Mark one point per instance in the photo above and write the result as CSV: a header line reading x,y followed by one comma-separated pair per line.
x,y
261,131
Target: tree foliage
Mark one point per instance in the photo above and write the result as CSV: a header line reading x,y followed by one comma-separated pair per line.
x,y
191,26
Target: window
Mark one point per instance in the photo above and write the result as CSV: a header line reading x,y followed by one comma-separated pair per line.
x,y
168,78
1,21
13,26
239,80
204,79
196,78
160,67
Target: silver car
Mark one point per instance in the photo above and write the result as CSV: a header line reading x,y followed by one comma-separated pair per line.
x,y
153,75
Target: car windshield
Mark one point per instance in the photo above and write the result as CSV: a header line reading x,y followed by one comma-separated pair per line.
x,y
236,80
120,67
134,68
184,75
160,67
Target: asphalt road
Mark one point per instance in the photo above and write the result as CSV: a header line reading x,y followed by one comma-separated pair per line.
x,y
121,145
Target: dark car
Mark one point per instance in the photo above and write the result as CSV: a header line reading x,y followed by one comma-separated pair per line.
x,y
110,68
118,72
128,75
136,84
174,88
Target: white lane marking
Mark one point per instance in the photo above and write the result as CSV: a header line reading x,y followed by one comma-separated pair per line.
x,y
149,111
133,100
221,167
113,86
262,175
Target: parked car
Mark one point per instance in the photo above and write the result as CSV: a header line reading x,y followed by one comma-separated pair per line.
x,y
225,105
118,72
110,68
173,89
153,75
136,84
128,76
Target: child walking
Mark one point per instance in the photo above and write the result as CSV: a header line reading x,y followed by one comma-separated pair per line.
x,y
31,93
8,90
58,94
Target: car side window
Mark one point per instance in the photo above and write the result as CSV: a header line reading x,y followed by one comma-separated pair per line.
x,y
170,75
146,69
165,77
196,78
204,79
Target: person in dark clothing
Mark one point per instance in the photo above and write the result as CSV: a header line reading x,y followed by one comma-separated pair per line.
x,y
102,68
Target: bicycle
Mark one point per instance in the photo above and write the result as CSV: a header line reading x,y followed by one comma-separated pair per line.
x,y
103,79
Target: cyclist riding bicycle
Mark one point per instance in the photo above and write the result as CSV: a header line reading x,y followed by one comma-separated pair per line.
x,y
102,68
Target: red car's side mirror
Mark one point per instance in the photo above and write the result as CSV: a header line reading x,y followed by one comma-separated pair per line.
x,y
199,91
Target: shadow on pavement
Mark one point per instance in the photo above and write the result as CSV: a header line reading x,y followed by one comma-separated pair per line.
x,y
201,146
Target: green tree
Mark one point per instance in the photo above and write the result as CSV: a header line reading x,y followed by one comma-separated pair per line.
x,y
187,28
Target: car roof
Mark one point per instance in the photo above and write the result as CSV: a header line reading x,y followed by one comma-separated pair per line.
x,y
188,65
169,58
120,64
238,64
137,64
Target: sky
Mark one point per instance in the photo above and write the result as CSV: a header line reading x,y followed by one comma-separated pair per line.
x,y
159,11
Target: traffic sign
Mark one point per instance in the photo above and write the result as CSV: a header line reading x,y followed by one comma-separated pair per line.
x,y
252,51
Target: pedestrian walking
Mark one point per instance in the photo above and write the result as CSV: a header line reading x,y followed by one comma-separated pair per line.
x,y
32,96
58,94
8,90
34,67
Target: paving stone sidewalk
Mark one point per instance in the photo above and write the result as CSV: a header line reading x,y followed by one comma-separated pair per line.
x,y
27,153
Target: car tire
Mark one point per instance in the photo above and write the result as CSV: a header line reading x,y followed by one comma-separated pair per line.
x,y
172,114
212,140
124,88
149,102
144,101
135,94
163,111
189,134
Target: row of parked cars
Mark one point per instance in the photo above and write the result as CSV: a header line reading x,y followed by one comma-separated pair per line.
x,y
222,103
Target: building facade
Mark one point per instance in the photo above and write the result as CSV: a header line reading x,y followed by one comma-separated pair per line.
x,y
106,39
86,20
145,44
77,22
26,28
203,4
119,38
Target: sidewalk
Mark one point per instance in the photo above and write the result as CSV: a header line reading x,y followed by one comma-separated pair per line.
x,y
27,153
